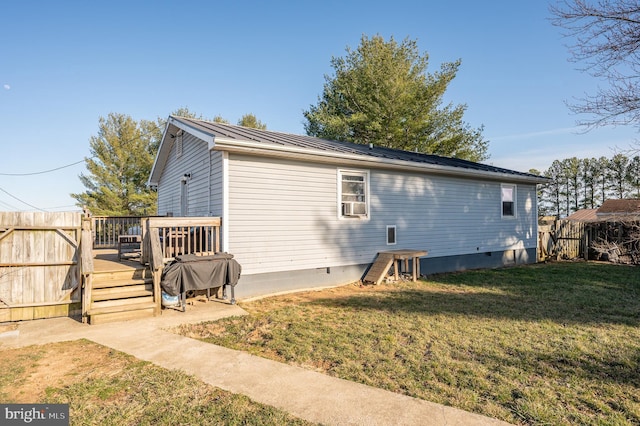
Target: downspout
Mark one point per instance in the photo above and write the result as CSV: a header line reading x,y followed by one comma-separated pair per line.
x,y
225,201
209,186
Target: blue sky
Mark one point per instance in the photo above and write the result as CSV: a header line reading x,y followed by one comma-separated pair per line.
x,y
65,64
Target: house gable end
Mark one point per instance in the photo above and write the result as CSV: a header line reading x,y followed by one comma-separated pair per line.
x,y
166,144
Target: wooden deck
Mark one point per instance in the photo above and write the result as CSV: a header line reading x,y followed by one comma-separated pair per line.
x,y
118,290
105,260
49,267
123,290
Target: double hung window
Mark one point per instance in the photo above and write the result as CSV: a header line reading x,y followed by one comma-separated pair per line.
x,y
353,189
508,195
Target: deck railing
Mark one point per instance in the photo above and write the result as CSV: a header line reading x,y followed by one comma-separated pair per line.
x,y
185,235
107,229
167,237
163,238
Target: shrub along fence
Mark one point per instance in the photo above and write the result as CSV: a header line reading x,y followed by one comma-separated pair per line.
x,y
615,240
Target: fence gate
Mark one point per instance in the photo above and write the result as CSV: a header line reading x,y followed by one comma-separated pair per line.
x,y
39,267
563,239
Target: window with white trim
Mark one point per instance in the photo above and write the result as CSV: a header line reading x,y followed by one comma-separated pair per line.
x,y
508,197
391,235
353,193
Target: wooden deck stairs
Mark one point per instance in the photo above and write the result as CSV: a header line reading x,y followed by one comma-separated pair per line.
x,y
379,269
121,294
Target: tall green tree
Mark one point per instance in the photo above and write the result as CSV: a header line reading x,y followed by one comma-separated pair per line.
x,y
633,177
250,120
247,120
590,173
618,167
552,191
382,94
122,155
587,183
604,182
573,173
186,112
220,119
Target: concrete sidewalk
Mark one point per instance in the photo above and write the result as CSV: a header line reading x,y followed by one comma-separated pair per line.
x,y
306,394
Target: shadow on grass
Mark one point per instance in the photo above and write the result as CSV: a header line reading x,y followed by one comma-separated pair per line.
x,y
567,294
554,298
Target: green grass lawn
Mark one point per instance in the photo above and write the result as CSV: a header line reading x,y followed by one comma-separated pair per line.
x,y
106,387
542,344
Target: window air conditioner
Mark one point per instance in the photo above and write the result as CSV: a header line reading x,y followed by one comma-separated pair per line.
x,y
353,209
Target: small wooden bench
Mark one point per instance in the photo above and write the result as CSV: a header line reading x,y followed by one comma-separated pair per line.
x,y
405,255
129,244
385,259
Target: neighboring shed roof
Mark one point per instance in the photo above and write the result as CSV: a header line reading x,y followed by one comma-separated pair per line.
x,y
628,206
584,215
229,137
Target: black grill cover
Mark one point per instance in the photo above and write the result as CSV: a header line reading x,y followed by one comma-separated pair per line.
x,y
191,272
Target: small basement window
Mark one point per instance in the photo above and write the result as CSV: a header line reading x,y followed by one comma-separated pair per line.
x,y
508,195
391,235
353,193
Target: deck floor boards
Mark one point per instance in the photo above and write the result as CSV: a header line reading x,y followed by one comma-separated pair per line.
x,y
105,260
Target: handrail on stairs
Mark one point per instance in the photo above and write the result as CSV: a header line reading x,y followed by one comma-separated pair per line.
x,y
153,250
86,264
166,237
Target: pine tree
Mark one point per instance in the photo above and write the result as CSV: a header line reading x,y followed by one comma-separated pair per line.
x,y
381,94
122,155
250,120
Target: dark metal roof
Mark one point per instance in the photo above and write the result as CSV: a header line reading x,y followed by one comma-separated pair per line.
x,y
620,206
584,215
240,133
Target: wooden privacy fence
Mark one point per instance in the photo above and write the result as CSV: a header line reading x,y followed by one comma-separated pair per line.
x,y
39,264
562,239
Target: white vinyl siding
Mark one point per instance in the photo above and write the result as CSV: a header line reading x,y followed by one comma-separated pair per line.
x,y
282,216
194,161
451,216
217,184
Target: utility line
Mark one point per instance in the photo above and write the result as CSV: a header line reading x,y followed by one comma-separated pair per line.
x,y
61,207
7,205
23,202
44,171
77,162
59,168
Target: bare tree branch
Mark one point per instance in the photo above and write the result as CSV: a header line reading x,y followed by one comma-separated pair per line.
x,y
606,42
